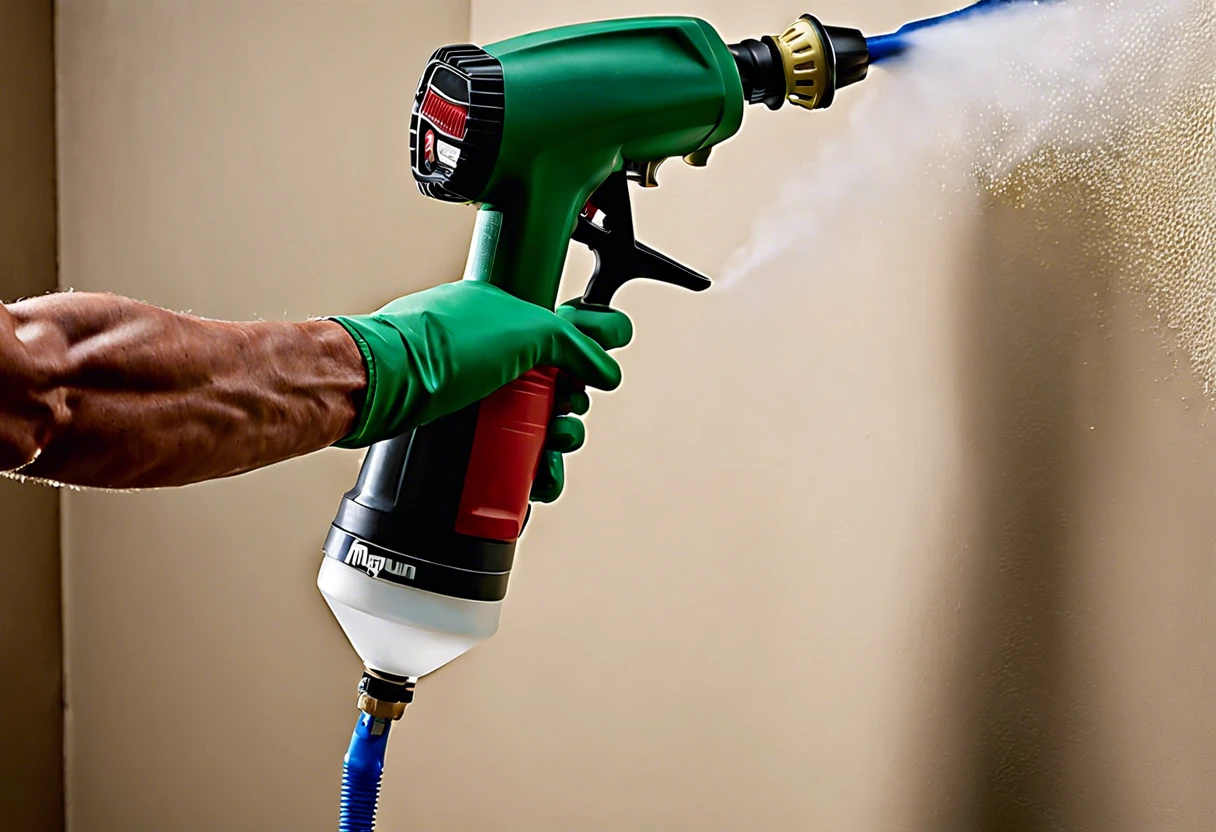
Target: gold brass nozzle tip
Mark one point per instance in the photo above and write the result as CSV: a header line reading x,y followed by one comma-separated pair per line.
x,y
807,62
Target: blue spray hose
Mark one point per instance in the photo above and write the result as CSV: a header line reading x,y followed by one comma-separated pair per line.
x,y
885,47
364,765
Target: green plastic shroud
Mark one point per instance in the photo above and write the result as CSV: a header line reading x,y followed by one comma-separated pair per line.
x,y
580,101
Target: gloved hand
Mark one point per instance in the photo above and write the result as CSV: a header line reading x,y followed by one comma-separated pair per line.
x,y
435,352
611,330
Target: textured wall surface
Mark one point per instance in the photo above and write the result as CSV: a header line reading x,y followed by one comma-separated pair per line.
x,y
31,693
239,160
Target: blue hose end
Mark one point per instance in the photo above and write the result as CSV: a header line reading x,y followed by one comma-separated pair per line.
x,y
885,47
363,768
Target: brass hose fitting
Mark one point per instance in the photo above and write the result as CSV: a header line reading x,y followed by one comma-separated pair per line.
x,y
384,696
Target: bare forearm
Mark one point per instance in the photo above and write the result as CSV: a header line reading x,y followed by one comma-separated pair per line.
x,y
111,393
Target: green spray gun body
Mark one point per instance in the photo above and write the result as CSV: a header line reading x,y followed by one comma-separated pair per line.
x,y
586,102
544,132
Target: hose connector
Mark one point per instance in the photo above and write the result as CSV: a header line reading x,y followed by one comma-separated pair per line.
x,y
383,695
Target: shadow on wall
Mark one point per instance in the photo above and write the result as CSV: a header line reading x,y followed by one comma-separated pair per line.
x,y
31,691
1077,690
1036,373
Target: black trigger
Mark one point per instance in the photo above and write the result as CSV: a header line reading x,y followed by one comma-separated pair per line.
x,y
619,258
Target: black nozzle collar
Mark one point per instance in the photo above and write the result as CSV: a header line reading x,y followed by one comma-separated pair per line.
x,y
385,687
760,69
851,55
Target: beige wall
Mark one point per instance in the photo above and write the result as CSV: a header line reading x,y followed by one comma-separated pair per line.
x,y
31,712
925,552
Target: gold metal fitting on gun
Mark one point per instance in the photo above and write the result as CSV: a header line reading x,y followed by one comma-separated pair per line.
x,y
804,65
806,56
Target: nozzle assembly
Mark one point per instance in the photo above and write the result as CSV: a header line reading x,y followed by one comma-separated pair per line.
x,y
804,65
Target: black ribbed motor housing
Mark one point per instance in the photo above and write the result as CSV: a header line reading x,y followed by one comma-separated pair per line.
x,y
483,128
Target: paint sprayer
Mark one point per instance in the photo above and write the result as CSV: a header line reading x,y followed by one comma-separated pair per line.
x,y
545,132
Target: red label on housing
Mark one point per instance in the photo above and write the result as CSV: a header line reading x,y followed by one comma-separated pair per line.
x,y
444,114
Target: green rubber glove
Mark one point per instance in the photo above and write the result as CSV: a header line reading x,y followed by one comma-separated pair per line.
x,y
435,352
610,329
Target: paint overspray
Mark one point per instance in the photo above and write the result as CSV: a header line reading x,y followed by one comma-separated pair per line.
x,y
1003,106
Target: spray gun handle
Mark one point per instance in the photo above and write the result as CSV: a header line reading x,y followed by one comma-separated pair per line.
x,y
507,446
441,509
512,423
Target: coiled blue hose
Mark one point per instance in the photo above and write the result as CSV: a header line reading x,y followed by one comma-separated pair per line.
x,y
361,773
884,47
